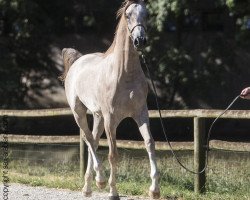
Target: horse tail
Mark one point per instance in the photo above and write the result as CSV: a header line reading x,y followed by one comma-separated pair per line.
x,y
69,56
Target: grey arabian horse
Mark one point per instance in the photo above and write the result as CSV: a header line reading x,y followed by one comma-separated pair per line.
x,y
112,86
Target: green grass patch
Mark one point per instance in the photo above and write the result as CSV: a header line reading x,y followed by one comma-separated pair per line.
x,y
228,178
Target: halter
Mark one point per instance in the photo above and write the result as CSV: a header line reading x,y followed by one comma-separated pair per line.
x,y
131,31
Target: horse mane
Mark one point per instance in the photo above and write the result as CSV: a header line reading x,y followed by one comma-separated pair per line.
x,y
119,15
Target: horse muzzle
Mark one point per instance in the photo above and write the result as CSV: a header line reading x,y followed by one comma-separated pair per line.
x,y
140,42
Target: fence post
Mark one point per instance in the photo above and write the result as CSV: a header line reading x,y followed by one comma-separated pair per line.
x,y
83,155
199,154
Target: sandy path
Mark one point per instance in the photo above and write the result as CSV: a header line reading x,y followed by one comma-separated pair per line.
x,y
24,192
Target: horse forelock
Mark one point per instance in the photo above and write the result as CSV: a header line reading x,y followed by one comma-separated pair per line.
x,y
124,7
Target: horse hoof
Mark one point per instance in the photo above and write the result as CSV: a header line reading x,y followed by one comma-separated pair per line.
x,y
114,198
87,194
101,185
154,195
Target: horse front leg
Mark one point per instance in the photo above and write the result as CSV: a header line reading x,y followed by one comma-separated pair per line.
x,y
142,120
110,128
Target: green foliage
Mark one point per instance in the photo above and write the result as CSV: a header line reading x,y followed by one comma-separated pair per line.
x,y
25,49
183,51
27,28
191,54
227,175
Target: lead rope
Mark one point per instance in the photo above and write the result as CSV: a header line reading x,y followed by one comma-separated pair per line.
x,y
164,129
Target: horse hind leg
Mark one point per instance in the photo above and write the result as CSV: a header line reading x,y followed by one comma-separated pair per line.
x,y
79,112
98,129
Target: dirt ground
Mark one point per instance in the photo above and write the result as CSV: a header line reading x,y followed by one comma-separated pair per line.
x,y
23,192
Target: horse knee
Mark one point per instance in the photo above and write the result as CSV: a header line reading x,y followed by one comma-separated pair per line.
x,y
150,145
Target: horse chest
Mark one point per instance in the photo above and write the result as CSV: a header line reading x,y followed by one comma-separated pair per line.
x,y
130,81
129,98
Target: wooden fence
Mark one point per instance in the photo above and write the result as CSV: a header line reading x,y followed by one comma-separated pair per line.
x,y
198,115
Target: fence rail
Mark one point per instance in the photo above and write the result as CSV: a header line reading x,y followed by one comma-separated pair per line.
x,y
201,113
127,144
198,115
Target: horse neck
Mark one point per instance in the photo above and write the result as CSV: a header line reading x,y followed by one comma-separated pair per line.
x,y
126,58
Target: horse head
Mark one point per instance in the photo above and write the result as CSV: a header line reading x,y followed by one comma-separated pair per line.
x,y
136,17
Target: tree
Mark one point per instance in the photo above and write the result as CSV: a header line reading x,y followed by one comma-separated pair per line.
x,y
27,28
198,43
194,46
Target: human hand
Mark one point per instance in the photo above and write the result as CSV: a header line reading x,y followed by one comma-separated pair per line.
x,y
245,94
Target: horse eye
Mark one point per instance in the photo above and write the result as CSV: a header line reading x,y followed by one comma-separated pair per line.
x,y
128,15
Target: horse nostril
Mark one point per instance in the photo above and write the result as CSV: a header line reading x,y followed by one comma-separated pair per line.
x,y
140,42
136,42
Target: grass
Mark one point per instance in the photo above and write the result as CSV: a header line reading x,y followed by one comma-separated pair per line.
x,y
228,178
